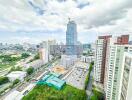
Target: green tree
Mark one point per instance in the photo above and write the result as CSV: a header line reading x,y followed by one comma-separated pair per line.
x,y
36,56
24,55
30,70
92,62
3,80
88,75
16,81
8,58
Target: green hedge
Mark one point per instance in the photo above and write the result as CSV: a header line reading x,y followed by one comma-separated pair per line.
x,y
88,75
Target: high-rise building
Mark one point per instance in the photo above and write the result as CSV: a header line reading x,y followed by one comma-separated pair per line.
x,y
43,54
102,53
110,42
123,39
100,58
46,47
71,38
126,90
115,69
108,61
71,33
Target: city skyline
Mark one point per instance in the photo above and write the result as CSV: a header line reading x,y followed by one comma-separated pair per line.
x,y
37,20
65,50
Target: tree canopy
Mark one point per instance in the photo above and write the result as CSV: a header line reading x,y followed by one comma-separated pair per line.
x,y
3,80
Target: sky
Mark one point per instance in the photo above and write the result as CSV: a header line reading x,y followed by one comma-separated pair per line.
x,y
36,20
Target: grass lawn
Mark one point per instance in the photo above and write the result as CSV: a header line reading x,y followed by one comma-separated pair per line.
x,y
6,61
44,92
94,97
3,66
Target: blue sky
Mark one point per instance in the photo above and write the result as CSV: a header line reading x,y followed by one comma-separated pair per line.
x,y
36,20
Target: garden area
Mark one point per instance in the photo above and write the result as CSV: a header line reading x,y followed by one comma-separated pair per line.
x,y
8,62
44,92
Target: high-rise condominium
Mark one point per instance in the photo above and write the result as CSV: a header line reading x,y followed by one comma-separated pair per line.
x,y
71,37
102,55
126,90
100,58
115,69
108,63
123,39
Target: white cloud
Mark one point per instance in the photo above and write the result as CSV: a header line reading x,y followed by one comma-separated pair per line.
x,y
101,16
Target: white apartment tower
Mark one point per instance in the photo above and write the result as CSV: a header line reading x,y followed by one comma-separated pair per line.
x,y
115,69
100,58
126,90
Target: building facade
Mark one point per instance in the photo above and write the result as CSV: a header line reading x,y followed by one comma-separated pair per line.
x,y
123,39
100,58
126,90
115,70
43,53
71,38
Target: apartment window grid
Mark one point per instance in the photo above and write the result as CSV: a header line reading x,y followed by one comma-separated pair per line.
x,y
111,63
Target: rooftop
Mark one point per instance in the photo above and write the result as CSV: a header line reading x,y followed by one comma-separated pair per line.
x,y
52,80
16,73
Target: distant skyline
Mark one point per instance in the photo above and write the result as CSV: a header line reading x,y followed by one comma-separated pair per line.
x,y
36,20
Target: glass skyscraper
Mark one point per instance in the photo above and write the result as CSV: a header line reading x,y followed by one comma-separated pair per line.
x,y
71,38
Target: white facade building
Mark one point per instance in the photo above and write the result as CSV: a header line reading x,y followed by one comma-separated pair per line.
x,y
111,42
35,64
115,59
98,60
126,91
87,59
16,75
43,53
67,61
46,49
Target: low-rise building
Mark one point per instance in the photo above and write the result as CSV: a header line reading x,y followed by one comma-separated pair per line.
x,y
35,64
67,61
16,75
87,59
